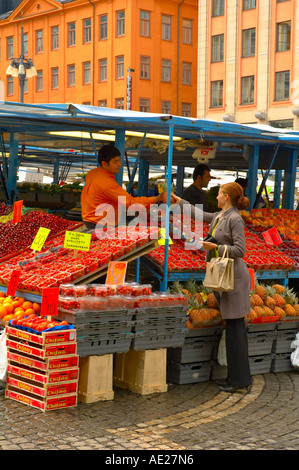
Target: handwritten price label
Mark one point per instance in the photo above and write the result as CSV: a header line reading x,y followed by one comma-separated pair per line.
x,y
272,237
40,239
17,212
116,273
77,240
49,305
13,283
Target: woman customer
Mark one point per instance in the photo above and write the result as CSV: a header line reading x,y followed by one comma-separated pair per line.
x,y
227,228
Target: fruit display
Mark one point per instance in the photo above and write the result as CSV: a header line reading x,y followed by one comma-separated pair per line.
x,y
56,265
16,237
273,303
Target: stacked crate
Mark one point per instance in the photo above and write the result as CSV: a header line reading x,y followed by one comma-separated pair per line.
x,y
285,334
43,369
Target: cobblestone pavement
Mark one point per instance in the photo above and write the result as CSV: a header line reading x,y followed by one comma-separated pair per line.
x,y
185,418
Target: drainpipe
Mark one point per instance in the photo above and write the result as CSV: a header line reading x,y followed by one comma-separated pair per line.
x,y
178,57
93,46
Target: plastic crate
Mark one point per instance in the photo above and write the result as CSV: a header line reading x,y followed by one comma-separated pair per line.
x,y
143,341
260,327
260,343
288,325
104,316
97,345
204,331
260,364
282,363
104,328
195,350
188,373
283,341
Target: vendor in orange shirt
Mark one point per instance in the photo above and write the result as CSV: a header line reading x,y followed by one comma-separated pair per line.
x,y
101,189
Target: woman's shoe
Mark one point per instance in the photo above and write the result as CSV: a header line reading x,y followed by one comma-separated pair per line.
x,y
230,389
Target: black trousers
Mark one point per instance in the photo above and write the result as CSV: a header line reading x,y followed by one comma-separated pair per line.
x,y
237,353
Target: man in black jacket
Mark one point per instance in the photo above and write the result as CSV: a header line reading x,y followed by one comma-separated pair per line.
x,y
194,193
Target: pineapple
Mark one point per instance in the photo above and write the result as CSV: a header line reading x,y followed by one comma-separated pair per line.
x,y
177,287
279,288
278,311
268,311
270,302
260,312
289,310
198,297
296,308
191,286
261,291
212,301
290,296
256,300
279,300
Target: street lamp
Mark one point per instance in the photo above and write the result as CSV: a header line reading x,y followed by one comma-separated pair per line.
x,y
22,68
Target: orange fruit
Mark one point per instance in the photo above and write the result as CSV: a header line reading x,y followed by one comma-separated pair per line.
x,y
21,300
2,294
8,300
16,303
3,312
8,317
8,307
26,304
18,310
29,311
36,306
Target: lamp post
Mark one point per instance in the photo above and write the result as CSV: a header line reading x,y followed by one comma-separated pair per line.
x,y
22,68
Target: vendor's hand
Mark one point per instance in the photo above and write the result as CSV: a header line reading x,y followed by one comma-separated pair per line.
x,y
176,198
208,246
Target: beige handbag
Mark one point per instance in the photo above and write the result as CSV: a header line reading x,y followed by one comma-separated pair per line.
x,y
220,273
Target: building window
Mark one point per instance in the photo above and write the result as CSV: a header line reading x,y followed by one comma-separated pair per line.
x,y
249,4
166,27
71,34
145,23
39,81
217,94
120,23
10,47
71,75
9,86
144,105
186,109
165,107
166,70
103,27
103,70
120,67
248,42
247,90
55,38
86,73
186,73
187,31
25,43
282,85
54,77
217,48
283,42
102,103
39,41
119,103
144,67
87,31
218,8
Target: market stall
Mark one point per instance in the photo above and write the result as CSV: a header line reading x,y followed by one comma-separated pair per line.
x,y
134,327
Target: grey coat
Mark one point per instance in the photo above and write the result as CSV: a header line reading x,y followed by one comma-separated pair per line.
x,y
230,232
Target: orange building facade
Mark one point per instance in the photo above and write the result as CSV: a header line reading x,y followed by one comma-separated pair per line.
x,y
248,61
84,51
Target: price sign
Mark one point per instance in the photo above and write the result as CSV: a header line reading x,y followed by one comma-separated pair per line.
x,y
17,212
49,305
272,237
251,280
40,239
13,283
77,240
116,273
161,241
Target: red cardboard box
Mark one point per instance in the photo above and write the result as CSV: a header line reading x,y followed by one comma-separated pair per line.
x,y
49,364
46,337
48,377
47,404
41,390
63,349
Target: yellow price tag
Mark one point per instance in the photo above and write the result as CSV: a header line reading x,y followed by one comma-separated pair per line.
x,y
40,238
161,241
77,241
